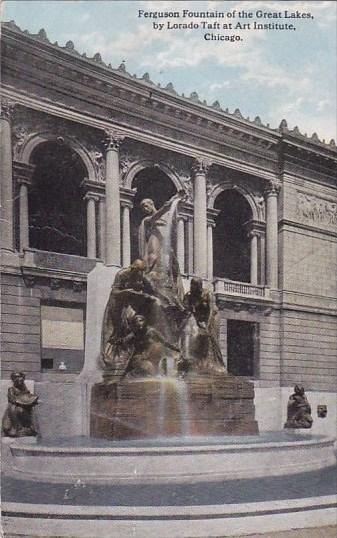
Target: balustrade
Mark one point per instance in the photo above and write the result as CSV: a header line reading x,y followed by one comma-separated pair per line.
x,y
231,287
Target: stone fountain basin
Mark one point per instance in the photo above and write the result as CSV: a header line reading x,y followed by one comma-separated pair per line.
x,y
171,460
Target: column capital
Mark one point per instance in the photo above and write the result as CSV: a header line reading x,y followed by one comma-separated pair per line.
x,y
182,216
273,187
91,196
127,197
7,108
255,227
211,216
95,187
253,233
201,165
113,139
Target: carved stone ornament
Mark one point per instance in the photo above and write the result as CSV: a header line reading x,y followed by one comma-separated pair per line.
x,y
188,187
209,189
201,165
55,283
77,285
273,187
124,166
29,280
20,135
322,410
7,108
113,139
261,206
98,162
316,210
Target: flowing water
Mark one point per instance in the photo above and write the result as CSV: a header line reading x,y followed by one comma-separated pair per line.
x,y
173,399
182,401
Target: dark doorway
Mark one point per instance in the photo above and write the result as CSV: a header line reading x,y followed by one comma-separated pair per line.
x,y
231,246
57,212
242,347
150,183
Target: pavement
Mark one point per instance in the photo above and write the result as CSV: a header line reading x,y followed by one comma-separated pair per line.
x,y
317,532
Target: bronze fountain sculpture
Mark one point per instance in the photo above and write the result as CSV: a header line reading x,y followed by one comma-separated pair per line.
x,y
163,370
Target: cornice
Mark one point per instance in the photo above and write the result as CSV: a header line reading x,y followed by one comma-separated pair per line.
x,y
115,100
284,223
154,94
120,75
171,144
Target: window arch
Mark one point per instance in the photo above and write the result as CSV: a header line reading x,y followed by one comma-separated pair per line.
x,y
231,244
57,213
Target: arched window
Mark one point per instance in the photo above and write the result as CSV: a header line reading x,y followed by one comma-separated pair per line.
x,y
57,213
150,183
231,244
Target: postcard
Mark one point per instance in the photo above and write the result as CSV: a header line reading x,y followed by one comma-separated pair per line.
x,y
168,268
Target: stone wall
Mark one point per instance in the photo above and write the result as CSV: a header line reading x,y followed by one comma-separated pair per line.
x,y
269,350
308,269
21,341
20,327
308,244
309,350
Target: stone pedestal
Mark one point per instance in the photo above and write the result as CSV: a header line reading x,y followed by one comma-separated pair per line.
x,y
167,407
99,283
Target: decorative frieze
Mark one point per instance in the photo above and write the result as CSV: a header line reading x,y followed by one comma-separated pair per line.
x,y
310,208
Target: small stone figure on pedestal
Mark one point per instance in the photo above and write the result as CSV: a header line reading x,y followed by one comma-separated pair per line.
x,y
18,418
299,410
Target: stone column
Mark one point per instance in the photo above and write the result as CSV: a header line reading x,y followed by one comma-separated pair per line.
x,y
211,222
101,224
91,225
253,257
6,176
272,234
190,261
112,199
200,169
22,174
23,214
262,255
210,252
181,244
127,197
126,239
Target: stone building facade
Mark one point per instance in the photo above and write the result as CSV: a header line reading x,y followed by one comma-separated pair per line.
x,y
83,143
